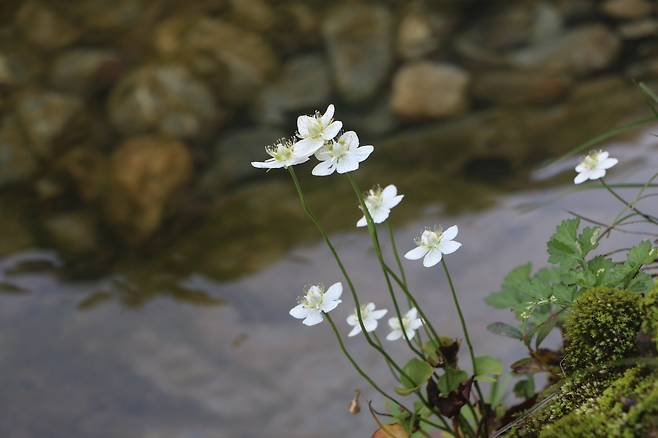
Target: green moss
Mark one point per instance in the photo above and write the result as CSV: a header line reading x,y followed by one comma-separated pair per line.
x,y
601,328
650,314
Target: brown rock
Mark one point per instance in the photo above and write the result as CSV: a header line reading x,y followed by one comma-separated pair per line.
x,y
420,32
146,174
426,90
45,27
516,87
627,9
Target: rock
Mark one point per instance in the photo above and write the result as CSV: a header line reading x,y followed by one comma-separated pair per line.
x,y
634,30
254,14
237,61
145,175
72,233
374,121
581,51
234,149
47,118
358,39
503,26
548,23
627,9
45,27
421,32
85,70
165,99
425,90
304,84
647,69
17,162
519,87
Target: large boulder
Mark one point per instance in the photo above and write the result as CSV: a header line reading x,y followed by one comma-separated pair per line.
x,y
164,99
428,90
359,43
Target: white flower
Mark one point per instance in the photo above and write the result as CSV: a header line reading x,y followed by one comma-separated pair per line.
x,y
410,322
433,244
315,131
594,166
369,315
316,302
283,155
342,156
379,203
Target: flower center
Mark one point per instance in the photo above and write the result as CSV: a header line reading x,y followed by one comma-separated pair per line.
x,y
282,151
374,199
591,161
339,149
431,238
313,298
316,129
364,312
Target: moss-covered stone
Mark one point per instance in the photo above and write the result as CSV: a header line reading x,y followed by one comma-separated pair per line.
x,y
601,328
650,314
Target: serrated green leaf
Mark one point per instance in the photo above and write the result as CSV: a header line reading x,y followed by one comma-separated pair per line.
x,y
503,329
513,289
487,365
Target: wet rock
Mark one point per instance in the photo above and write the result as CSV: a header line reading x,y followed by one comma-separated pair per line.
x,y
504,26
88,168
47,118
645,70
17,162
518,87
304,84
145,175
235,149
16,235
165,99
85,70
548,22
373,121
108,16
358,39
72,233
44,26
425,90
238,62
581,51
634,30
627,9
421,32
254,14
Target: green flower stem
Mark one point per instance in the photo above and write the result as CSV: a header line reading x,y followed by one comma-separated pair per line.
x,y
357,367
376,338
372,230
627,204
465,330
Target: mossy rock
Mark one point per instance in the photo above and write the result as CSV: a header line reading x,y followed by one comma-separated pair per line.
x,y
650,314
601,328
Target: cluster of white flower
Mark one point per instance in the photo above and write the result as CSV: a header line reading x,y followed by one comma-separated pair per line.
x,y
318,135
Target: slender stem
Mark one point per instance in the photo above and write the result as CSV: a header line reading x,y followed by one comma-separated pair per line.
x,y
628,205
357,367
465,330
372,229
376,338
391,236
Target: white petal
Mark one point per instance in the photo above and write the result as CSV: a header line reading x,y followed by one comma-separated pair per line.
x,y
299,311
580,168
331,130
328,114
596,174
410,333
450,233
303,123
307,147
352,320
297,160
432,258
362,153
370,307
324,168
355,330
379,314
334,292
350,139
347,163
313,318
324,153
581,177
394,335
416,324
416,253
602,155
267,164
370,325
393,202
449,246
379,215
363,222
609,162
329,305
412,313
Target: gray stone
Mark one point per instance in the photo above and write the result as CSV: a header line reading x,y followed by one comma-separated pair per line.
x,y
634,30
426,90
627,9
166,99
358,39
421,32
72,233
85,70
581,51
303,84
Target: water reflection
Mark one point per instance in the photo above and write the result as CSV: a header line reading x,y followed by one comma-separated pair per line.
x,y
246,368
